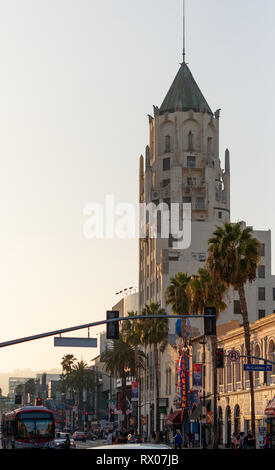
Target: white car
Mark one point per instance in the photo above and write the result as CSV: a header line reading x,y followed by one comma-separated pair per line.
x,y
142,446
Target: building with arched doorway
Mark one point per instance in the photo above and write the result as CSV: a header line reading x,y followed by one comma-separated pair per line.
x,y
234,411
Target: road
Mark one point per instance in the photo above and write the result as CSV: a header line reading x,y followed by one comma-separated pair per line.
x,y
89,444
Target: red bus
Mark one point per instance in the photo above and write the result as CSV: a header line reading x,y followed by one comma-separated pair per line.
x,y
28,428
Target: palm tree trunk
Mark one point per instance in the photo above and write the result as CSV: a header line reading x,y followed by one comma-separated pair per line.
x,y
80,409
157,391
123,399
244,311
215,391
135,404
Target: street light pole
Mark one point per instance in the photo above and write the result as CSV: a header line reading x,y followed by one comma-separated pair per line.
x,y
203,398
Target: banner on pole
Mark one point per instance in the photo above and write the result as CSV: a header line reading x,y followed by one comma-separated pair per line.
x,y
134,391
197,376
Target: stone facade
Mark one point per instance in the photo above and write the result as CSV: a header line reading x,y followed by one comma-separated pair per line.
x,y
233,384
182,165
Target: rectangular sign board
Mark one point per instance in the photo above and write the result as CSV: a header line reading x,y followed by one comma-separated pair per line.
x,y
258,367
75,342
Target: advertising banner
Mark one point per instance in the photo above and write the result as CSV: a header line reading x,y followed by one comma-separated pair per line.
x,y
197,376
134,393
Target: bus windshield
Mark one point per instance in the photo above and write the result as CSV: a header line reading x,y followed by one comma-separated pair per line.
x,y
33,425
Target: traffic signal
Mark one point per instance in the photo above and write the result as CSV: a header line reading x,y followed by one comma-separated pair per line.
x,y
112,330
219,358
86,416
209,323
18,399
112,416
38,401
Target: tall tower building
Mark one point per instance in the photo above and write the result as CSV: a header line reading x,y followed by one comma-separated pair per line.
x,y
182,165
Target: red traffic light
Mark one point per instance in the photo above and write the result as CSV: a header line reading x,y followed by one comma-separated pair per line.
x,y
219,358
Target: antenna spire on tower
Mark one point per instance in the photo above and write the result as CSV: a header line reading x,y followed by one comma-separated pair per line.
x,y
183,51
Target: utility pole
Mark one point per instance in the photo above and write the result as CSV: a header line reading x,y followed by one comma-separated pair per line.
x,y
204,444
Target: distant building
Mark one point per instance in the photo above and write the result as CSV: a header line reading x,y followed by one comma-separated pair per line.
x,y
14,382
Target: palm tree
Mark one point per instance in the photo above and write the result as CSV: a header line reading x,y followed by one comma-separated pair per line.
x,y
67,362
206,290
154,331
178,296
79,378
234,255
120,362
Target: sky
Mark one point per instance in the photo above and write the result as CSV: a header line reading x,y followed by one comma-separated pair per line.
x,y
77,81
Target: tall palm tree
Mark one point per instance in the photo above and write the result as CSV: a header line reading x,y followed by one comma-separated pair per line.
x,y
178,296
154,332
120,362
233,256
79,378
206,290
67,362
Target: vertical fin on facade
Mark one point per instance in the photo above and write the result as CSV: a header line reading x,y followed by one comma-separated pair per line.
x,y
227,161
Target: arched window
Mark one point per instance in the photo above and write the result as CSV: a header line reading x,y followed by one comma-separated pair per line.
x,y
237,372
167,144
271,357
228,372
209,145
190,140
168,380
228,426
237,414
220,426
257,353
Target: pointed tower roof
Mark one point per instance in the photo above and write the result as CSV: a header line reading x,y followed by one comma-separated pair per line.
x,y
185,92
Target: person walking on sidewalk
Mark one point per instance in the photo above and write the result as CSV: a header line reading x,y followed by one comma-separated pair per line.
x,y
178,440
249,441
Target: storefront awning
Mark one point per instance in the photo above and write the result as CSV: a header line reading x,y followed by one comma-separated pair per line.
x,y
174,419
270,409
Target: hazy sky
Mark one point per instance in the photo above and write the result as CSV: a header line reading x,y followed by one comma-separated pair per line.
x,y
78,78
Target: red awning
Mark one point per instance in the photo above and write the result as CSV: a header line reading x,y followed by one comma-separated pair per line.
x,y
174,419
270,409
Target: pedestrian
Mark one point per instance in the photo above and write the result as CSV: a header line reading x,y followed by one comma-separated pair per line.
x,y
110,437
249,441
178,440
266,442
241,440
235,441
197,439
189,435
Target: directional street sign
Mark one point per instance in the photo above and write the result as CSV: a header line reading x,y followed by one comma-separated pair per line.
x,y
75,342
233,356
258,367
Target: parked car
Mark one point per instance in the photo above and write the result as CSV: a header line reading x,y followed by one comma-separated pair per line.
x,y
60,439
79,436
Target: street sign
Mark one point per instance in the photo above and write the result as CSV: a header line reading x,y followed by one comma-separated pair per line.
x,y
233,355
75,342
258,367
